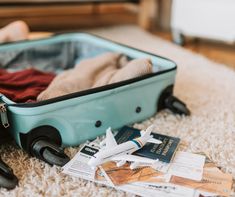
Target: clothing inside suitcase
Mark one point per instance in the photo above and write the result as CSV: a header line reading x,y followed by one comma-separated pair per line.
x,y
49,57
58,55
52,57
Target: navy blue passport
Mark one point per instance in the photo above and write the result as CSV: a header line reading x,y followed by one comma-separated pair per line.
x,y
164,151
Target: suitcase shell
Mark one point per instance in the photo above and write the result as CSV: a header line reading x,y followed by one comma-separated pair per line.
x,y
77,117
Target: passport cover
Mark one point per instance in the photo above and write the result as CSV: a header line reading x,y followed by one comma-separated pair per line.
x,y
164,151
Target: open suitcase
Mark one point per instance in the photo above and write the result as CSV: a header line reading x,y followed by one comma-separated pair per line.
x,y
43,128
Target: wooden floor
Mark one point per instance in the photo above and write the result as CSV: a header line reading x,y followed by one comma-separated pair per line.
x,y
217,51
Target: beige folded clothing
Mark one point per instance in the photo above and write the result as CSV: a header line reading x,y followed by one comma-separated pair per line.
x,y
94,72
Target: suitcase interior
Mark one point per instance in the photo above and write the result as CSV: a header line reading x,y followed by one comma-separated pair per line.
x,y
63,51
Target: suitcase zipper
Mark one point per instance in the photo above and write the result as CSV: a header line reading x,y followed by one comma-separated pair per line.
x,y
4,119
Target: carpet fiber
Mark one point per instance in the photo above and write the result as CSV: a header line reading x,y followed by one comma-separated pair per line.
x,y
206,87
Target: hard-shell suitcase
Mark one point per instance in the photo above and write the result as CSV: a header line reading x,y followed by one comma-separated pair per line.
x,y
42,128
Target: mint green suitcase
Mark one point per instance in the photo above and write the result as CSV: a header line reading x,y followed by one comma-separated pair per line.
x,y
44,128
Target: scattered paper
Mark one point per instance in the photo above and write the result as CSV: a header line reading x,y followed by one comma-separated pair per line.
x,y
123,175
168,189
82,170
78,165
213,180
187,165
148,182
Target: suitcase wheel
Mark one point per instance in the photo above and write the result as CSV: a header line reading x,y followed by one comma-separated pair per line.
x,y
7,179
167,100
176,106
49,152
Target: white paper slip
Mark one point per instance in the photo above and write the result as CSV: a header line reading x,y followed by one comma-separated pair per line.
x,y
187,165
161,166
166,189
134,189
78,165
205,194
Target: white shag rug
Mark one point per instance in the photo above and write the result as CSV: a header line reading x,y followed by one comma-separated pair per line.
x,y
207,88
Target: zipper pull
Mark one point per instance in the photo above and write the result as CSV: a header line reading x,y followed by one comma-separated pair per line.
x,y
3,112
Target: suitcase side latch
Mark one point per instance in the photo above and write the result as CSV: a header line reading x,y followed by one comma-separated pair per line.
x,y
3,112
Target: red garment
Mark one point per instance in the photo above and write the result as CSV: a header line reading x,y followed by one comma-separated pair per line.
x,y
24,86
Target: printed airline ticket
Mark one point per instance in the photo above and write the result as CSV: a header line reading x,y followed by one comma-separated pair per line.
x,y
214,182
187,165
122,175
78,167
162,189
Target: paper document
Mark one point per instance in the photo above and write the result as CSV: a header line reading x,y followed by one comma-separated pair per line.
x,y
122,175
213,180
78,167
189,175
168,189
187,165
